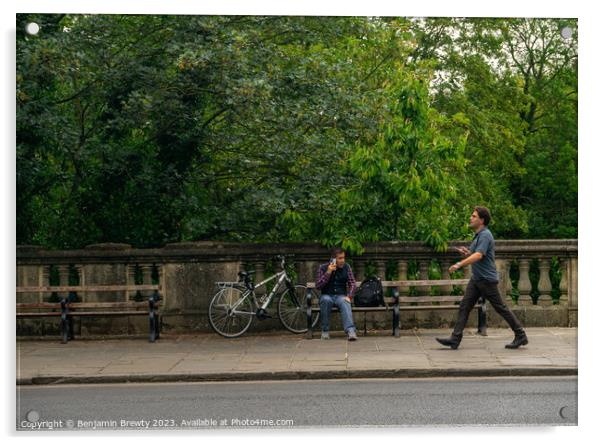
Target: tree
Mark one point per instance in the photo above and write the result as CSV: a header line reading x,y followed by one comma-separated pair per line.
x,y
154,129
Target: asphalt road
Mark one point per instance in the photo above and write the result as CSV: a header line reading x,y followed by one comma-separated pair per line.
x,y
301,403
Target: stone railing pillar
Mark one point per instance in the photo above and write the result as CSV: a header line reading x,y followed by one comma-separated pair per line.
x,y
130,279
45,281
572,282
563,286
63,278
79,269
381,269
509,286
467,274
402,273
501,270
359,270
423,267
298,270
259,267
147,278
63,274
524,283
544,285
447,289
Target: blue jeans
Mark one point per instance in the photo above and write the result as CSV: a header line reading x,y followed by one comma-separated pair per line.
x,y
326,303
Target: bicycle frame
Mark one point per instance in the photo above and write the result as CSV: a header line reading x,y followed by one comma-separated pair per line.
x,y
282,277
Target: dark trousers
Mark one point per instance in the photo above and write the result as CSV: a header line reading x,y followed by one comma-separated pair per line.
x,y
489,291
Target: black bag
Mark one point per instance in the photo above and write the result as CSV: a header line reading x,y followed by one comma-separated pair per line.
x,y
369,294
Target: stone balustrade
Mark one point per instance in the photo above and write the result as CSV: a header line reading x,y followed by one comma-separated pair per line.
x,y
538,278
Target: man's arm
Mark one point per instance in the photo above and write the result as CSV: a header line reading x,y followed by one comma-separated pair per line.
x,y
463,251
480,251
477,256
323,277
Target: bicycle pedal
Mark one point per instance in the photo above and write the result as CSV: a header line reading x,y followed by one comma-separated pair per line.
x,y
262,314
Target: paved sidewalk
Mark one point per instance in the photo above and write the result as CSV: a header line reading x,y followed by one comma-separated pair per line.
x,y
551,351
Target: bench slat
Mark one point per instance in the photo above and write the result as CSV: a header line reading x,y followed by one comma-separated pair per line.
x,y
421,283
426,308
106,288
37,314
107,313
422,299
86,314
358,309
116,305
401,308
433,299
414,283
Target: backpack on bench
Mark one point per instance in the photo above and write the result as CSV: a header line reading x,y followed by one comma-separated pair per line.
x,y
369,294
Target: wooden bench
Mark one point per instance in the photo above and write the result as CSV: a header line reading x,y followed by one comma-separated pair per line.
x,y
66,309
395,304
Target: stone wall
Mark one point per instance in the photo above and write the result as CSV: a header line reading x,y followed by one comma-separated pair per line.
x,y
187,273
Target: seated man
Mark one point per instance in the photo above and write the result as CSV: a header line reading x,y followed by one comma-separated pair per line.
x,y
336,281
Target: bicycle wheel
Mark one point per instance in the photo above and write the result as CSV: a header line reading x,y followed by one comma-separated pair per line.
x,y
225,320
294,316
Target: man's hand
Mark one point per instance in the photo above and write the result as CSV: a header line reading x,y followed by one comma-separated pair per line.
x,y
332,268
463,251
348,298
454,267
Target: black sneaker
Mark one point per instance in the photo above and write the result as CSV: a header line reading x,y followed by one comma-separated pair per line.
x,y
452,342
519,340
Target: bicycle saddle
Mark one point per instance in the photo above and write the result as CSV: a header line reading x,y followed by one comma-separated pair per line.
x,y
245,274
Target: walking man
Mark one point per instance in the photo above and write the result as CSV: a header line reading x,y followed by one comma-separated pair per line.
x,y
484,280
336,281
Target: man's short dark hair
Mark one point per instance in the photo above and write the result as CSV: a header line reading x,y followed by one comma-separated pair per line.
x,y
484,214
337,251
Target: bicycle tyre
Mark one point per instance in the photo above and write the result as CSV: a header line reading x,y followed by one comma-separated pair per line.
x,y
222,321
294,318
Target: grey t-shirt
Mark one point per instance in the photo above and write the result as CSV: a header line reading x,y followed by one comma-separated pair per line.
x,y
484,269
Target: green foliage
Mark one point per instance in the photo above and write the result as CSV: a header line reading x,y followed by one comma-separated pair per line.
x,y
155,129
404,180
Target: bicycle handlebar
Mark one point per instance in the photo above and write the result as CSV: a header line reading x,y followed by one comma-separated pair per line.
x,y
282,259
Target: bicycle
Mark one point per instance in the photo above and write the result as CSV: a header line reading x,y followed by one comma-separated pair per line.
x,y
232,308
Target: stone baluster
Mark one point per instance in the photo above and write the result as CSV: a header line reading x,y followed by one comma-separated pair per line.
x,y
563,286
63,278
544,285
259,267
445,289
45,282
299,271
509,286
572,282
147,278
161,276
572,292
524,283
63,274
423,267
359,270
130,279
501,266
402,273
381,269
81,279
467,274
